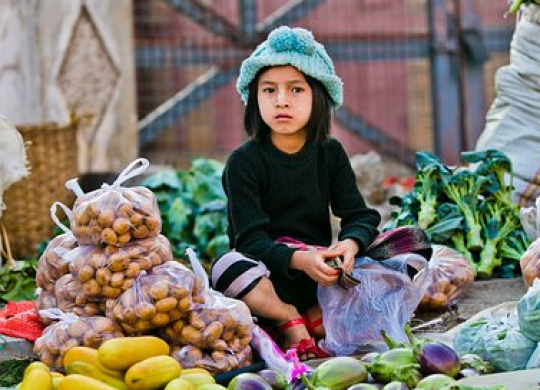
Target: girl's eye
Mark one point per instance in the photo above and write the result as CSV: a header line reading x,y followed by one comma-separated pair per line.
x,y
297,89
268,90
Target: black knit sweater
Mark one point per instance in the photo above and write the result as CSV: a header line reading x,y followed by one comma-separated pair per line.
x,y
272,194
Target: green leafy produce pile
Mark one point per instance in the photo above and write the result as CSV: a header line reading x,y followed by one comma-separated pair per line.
x,y
11,371
468,208
17,280
192,205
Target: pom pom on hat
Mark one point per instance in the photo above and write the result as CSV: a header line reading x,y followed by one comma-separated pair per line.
x,y
296,47
288,39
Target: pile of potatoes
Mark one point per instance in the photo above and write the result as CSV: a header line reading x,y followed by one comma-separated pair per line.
x,y
52,265
214,362
72,331
211,329
165,294
115,216
105,273
451,276
70,298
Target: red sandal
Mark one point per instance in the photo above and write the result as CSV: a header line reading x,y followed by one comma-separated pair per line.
x,y
304,347
312,325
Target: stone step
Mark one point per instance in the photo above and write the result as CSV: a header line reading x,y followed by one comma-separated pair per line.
x,y
13,347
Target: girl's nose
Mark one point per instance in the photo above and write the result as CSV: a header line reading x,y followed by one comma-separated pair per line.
x,y
281,100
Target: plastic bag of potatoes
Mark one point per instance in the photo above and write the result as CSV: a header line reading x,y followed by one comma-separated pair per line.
x,y
115,215
70,298
451,276
212,329
71,331
163,295
105,273
214,362
52,264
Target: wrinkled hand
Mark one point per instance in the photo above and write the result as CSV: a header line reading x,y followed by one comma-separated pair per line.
x,y
347,249
313,263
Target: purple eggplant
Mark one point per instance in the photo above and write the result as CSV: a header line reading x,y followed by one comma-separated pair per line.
x,y
274,378
437,358
248,381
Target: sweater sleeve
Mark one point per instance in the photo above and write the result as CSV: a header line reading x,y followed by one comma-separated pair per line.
x,y
243,184
358,221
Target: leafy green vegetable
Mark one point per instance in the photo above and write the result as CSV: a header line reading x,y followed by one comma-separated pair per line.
x,y
467,207
17,281
12,370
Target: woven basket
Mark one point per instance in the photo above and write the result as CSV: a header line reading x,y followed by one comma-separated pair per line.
x,y
52,160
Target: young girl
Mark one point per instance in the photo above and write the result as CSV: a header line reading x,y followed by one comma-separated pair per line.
x,y
281,185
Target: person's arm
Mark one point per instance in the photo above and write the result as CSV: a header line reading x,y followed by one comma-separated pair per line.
x,y
243,185
358,222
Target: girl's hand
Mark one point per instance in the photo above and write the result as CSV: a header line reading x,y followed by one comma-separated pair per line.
x,y
313,263
347,249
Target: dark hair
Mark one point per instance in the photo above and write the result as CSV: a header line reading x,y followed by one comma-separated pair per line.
x,y
318,125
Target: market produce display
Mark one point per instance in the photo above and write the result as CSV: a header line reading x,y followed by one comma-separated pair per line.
x,y
467,208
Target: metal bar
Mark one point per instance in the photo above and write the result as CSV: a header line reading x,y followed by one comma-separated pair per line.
x,y
208,18
248,17
288,14
186,100
472,57
497,40
375,136
149,56
445,84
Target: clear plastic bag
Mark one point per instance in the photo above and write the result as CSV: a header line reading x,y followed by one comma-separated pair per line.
x,y
497,340
385,300
71,331
115,215
215,335
209,328
530,263
70,298
52,264
164,295
451,276
106,273
214,362
528,311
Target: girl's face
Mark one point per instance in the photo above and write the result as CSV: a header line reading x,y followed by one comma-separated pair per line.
x,y
285,101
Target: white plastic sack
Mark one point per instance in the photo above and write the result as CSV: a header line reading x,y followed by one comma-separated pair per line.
x,y
512,122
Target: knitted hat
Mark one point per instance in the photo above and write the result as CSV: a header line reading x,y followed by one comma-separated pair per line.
x,y
296,47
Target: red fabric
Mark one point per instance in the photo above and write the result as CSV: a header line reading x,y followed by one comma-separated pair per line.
x,y
21,319
13,308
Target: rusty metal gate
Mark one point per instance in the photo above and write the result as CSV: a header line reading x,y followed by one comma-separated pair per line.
x,y
418,74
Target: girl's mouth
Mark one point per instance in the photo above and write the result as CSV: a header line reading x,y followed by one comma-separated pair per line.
x,y
282,117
